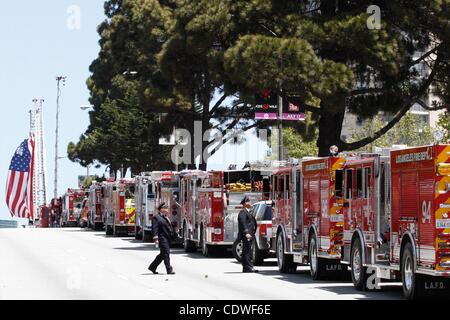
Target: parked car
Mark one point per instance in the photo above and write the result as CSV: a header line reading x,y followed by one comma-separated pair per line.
x,y
260,249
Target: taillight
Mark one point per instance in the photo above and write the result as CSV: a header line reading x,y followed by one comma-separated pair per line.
x,y
122,207
263,229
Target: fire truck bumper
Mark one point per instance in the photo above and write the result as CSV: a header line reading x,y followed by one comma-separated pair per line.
x,y
435,273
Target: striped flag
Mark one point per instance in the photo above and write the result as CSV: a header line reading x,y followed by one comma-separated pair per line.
x,y
19,185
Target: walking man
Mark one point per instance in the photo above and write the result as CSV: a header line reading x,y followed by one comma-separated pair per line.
x,y
247,229
163,234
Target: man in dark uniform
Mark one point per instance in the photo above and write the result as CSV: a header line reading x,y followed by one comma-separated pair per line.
x,y
247,229
163,234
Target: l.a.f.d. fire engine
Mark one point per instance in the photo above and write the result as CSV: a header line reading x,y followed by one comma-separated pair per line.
x,y
71,207
167,189
145,201
307,221
96,208
396,218
119,207
210,204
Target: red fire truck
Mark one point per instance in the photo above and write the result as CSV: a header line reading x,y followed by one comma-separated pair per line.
x,y
145,200
307,220
166,186
120,210
71,207
96,218
211,202
396,219
202,201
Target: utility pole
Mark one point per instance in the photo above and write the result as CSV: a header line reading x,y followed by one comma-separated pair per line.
x,y
280,128
59,79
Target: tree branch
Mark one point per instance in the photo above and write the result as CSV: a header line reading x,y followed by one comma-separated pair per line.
x,y
217,105
423,88
426,107
225,139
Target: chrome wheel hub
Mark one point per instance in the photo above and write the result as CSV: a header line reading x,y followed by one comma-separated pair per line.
x,y
356,266
408,273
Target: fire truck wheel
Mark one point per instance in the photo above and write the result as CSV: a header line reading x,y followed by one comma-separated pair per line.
x,y
315,263
257,255
359,274
285,261
237,250
206,248
410,280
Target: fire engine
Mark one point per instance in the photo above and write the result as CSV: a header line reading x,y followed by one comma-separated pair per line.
x,y
307,224
71,207
396,218
96,192
120,210
145,200
209,202
166,186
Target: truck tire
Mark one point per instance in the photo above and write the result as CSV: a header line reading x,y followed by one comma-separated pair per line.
x,y
285,261
109,230
237,250
411,282
189,245
358,271
206,248
316,264
257,255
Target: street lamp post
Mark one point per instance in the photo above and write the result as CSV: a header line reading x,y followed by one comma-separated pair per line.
x,y
59,79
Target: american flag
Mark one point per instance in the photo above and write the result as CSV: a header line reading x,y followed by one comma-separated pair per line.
x,y
19,186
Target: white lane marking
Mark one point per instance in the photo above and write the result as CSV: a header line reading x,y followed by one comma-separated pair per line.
x,y
83,258
99,265
156,292
123,277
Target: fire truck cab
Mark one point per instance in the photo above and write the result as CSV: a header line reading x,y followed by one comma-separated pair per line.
x,y
120,215
71,207
145,199
396,224
96,219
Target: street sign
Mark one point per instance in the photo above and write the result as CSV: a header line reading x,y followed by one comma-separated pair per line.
x,y
266,106
292,112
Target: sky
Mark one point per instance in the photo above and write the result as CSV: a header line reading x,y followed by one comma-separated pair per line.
x,y
40,40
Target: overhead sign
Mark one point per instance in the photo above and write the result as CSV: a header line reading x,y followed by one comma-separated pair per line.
x,y
266,106
292,112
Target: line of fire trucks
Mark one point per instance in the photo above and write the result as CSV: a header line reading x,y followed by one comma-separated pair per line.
x,y
384,216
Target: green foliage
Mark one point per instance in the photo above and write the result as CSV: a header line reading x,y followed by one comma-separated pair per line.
x,y
409,131
443,125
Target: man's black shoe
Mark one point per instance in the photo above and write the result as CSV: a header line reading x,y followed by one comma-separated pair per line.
x,y
170,271
251,271
152,270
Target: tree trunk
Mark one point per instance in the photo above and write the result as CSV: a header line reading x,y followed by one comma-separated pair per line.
x,y
330,128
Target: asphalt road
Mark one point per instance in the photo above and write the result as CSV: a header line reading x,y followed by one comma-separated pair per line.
x,y
79,264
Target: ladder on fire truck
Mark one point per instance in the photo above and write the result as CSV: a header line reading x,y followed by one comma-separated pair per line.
x,y
39,176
